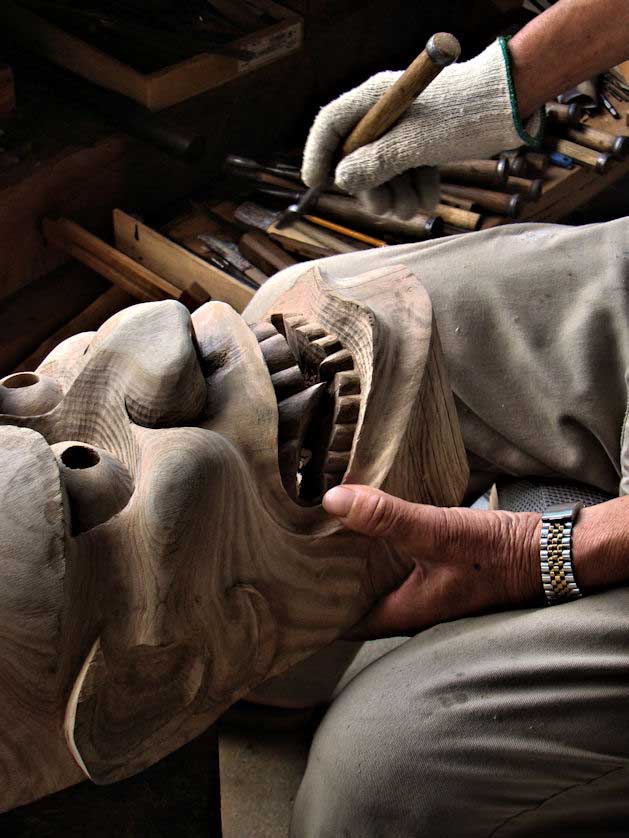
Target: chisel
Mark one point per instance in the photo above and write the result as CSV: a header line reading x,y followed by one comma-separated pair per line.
x,y
229,251
264,253
567,114
598,140
477,172
499,202
586,156
350,211
530,189
441,50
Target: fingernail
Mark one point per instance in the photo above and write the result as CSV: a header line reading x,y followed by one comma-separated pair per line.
x,y
338,501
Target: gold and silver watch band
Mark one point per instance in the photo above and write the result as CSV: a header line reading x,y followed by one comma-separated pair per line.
x,y
556,553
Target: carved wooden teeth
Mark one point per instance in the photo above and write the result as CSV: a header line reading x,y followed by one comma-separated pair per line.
x,y
336,462
311,331
299,336
286,376
263,330
295,415
296,411
346,410
342,437
321,358
335,363
282,321
346,383
314,352
326,345
276,353
288,382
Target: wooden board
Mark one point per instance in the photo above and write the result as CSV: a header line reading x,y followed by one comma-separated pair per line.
x,y
78,182
174,262
117,267
169,85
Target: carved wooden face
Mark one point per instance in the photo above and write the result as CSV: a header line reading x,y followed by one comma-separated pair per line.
x,y
164,549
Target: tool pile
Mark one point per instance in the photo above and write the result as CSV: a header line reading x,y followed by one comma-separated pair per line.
x,y
614,85
151,34
244,235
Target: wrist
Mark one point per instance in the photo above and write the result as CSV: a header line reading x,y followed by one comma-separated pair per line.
x,y
520,555
528,120
506,544
600,546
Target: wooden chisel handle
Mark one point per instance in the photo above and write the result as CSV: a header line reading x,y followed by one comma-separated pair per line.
x,y
442,49
500,202
477,172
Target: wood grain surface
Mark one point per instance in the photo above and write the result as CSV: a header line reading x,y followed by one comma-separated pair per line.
x,y
164,549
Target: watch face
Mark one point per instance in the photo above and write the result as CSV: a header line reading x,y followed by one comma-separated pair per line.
x,y
562,511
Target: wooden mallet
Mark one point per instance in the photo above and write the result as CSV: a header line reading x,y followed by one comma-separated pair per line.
x,y
441,50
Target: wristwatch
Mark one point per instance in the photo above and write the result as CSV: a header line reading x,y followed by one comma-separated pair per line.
x,y
556,553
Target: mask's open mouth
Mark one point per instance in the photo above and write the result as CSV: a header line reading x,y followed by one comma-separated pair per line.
x,y
318,396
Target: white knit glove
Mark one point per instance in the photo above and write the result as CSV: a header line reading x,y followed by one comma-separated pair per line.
x,y
468,112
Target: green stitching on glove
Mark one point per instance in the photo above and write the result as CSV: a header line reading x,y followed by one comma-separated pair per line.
x,y
535,142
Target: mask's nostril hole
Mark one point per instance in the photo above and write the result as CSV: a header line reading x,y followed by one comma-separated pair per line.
x,y
79,457
20,379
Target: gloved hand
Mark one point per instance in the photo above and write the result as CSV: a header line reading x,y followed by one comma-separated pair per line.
x,y
468,112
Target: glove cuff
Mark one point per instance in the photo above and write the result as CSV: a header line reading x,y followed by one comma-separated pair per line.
x,y
532,132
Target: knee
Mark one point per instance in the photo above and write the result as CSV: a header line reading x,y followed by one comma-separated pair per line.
x,y
391,757
344,775
367,762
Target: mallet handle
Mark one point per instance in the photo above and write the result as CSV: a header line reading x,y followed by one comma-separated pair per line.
x,y
442,49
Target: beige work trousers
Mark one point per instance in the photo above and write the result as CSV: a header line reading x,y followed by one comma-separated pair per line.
x,y
513,724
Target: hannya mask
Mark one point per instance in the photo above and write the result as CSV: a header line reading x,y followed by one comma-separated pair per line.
x,y
163,547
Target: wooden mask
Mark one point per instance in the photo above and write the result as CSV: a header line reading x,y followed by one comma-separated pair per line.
x,y
163,549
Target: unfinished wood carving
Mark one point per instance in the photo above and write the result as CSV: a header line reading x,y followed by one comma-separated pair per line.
x,y
163,549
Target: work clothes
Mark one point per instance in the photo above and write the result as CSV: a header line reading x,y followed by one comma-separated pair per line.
x,y
511,724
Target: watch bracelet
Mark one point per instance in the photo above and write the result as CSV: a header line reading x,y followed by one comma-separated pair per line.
x,y
556,562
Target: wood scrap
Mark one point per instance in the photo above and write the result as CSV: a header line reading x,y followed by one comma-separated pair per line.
x,y
135,279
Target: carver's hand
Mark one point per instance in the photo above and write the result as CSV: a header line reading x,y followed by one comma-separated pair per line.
x,y
468,112
465,561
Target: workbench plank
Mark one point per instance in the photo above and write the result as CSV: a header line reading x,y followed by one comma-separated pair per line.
x,y
175,263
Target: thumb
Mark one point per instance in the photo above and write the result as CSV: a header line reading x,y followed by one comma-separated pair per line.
x,y
366,168
371,511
